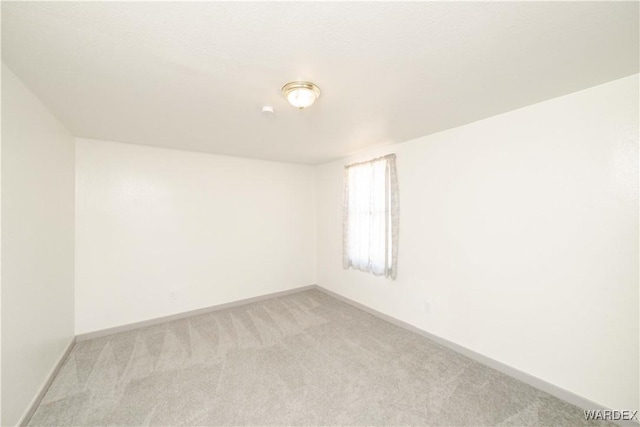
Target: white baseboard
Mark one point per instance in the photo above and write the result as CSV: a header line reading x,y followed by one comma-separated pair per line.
x,y
535,382
43,390
164,319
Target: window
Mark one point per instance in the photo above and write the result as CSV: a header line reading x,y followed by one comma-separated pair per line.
x,y
370,223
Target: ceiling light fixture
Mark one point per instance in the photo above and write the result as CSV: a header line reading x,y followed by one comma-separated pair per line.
x,y
301,94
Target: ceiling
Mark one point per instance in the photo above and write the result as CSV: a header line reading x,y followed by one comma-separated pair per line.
x,y
194,75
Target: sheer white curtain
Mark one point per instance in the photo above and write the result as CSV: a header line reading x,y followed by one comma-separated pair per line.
x,y
370,223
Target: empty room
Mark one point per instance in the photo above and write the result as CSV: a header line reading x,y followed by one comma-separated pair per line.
x,y
320,213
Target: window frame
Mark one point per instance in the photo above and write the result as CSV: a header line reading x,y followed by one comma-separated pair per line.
x,y
384,262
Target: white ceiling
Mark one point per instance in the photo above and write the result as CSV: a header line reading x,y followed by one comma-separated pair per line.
x,y
195,75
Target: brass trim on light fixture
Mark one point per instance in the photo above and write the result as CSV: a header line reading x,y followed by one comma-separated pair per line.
x,y
291,86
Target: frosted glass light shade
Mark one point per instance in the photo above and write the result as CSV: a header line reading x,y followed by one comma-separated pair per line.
x,y
301,94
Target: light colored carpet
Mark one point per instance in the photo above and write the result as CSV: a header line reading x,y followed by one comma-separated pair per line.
x,y
300,359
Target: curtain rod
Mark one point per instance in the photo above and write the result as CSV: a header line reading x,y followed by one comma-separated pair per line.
x,y
388,156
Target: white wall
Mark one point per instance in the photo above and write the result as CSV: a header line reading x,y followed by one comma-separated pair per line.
x,y
37,245
1,72
162,231
518,240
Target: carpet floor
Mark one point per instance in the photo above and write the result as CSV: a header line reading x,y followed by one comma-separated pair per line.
x,y
301,359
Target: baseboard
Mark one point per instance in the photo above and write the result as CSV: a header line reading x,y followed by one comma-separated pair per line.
x,y
535,382
164,319
43,390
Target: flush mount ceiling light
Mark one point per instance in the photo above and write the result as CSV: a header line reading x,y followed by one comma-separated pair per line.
x,y
301,94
